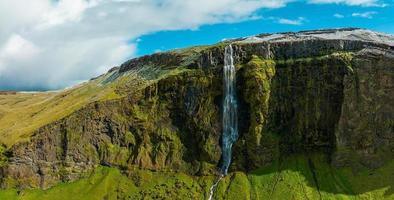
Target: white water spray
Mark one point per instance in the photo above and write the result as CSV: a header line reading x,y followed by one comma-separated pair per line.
x,y
230,115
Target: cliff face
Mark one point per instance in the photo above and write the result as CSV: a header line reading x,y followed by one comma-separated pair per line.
x,y
324,91
365,130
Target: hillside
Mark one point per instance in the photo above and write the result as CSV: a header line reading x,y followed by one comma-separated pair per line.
x,y
315,118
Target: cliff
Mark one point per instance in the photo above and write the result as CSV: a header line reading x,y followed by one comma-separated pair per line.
x,y
327,93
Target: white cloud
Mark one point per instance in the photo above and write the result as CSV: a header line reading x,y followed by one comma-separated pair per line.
x,y
296,22
376,3
52,44
65,10
368,15
18,48
337,15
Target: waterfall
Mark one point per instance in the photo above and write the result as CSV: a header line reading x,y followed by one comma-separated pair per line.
x,y
213,187
230,118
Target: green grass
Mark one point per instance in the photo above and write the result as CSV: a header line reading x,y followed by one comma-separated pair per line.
x,y
309,177
25,112
296,177
110,183
105,183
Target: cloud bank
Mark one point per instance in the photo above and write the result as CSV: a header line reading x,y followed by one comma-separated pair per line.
x,y
48,44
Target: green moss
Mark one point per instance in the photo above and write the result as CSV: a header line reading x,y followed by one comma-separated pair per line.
x,y
257,78
3,156
344,56
130,138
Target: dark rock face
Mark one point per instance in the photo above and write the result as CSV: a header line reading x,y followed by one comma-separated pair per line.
x,y
301,95
293,106
306,100
366,125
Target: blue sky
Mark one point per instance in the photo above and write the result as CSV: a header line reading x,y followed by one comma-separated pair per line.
x,y
58,43
313,16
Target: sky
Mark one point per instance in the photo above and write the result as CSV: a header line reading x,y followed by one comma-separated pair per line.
x,y
53,44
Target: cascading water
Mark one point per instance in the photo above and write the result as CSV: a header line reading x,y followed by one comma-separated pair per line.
x,y
230,117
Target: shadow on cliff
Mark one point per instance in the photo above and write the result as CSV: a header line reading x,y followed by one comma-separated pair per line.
x,y
314,171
